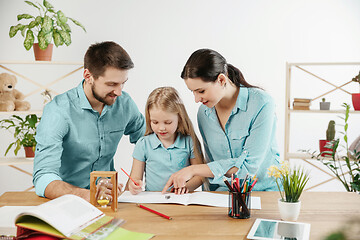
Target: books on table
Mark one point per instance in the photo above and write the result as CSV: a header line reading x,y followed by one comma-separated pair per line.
x,y
199,198
70,217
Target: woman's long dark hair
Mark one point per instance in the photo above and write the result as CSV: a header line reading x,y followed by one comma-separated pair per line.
x,y
207,64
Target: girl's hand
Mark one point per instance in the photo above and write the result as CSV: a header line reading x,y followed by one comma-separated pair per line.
x,y
135,189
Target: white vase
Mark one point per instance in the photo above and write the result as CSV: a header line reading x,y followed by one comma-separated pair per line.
x,y
289,211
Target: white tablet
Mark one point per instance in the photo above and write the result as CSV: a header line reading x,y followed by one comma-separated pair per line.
x,y
267,229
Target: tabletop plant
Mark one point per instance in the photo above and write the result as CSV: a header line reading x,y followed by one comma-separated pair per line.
x,y
342,161
49,25
24,131
290,181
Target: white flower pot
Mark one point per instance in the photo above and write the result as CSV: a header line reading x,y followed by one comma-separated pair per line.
x,y
289,211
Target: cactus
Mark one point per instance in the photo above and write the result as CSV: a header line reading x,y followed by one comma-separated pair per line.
x,y
330,132
323,99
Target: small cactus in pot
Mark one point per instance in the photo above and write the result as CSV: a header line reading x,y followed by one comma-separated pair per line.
x,y
324,105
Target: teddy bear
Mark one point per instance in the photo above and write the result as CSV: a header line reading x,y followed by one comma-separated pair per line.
x,y
10,98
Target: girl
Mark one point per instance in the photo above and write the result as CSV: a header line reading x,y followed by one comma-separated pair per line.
x,y
237,122
169,144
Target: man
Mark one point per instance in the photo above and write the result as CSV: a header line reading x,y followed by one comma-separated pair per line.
x,y
81,128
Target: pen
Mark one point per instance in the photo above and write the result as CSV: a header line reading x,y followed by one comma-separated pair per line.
x,y
153,211
130,177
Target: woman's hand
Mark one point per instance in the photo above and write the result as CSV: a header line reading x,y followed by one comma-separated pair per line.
x,y
178,180
134,189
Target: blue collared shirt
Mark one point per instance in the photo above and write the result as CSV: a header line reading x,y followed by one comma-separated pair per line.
x,y
74,140
161,162
248,142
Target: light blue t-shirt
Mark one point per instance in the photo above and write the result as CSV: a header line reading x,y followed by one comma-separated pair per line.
x,y
160,162
249,140
74,140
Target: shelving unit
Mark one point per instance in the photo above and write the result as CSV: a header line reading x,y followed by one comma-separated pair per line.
x,y
8,66
289,111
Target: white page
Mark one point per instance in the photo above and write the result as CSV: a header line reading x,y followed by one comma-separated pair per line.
x,y
201,198
68,213
7,218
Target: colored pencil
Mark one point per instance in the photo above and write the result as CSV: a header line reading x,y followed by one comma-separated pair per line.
x,y
153,211
130,177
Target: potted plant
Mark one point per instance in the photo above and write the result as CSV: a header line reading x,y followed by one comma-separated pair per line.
x,y
49,25
291,183
24,132
326,145
347,163
356,96
324,105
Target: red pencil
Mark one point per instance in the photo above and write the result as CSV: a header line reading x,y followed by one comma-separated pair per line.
x,y
130,177
153,211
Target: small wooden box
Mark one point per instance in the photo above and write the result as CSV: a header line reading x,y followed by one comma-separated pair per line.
x,y
113,175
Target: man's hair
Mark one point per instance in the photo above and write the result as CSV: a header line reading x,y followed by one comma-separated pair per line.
x,y
100,56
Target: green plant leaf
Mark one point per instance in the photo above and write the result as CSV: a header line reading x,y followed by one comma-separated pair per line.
x,y
57,38
47,25
65,37
61,16
65,27
15,29
47,5
8,148
78,23
24,16
41,40
17,147
38,20
32,24
29,39
32,4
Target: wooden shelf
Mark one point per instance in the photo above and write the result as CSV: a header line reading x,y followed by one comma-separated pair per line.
x,y
15,160
41,62
37,112
321,111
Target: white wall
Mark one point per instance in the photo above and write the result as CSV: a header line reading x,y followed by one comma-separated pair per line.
x,y
257,36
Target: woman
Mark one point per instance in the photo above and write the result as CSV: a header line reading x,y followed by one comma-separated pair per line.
x,y
237,122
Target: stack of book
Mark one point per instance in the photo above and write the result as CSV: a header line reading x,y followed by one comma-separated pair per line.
x,y
301,104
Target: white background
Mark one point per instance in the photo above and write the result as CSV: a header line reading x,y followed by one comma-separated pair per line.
x,y
257,36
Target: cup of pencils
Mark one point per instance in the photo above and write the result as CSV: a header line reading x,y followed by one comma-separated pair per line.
x,y
240,196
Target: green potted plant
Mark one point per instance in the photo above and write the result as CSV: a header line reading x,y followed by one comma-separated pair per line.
x,y
326,145
24,132
324,105
343,161
49,25
291,183
356,96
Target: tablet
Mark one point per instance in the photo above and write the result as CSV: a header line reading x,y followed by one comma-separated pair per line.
x,y
267,229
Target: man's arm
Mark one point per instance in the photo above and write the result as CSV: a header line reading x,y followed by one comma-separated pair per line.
x,y
58,188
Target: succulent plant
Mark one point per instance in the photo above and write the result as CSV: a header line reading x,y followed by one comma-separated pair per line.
x,y
330,132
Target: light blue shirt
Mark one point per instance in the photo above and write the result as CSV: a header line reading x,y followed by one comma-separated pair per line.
x,y
74,140
248,142
161,162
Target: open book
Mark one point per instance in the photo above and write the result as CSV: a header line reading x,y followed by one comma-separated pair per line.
x,y
199,198
70,217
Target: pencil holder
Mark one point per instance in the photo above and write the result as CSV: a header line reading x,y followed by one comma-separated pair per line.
x,y
239,205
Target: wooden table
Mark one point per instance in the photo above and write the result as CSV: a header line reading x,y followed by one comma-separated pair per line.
x,y
325,211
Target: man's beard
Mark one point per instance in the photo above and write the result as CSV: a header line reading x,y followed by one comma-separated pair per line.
x,y
101,99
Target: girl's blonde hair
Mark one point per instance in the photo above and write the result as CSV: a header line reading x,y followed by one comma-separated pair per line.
x,y
167,99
